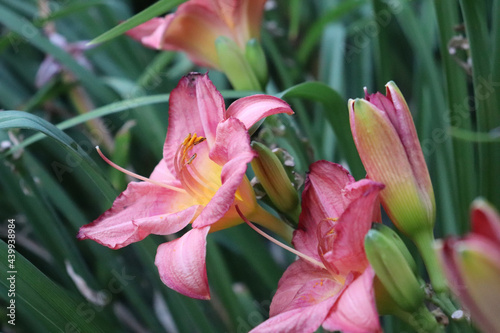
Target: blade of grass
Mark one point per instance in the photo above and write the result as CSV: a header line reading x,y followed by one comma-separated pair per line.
x,y
53,306
19,119
458,113
485,98
313,34
31,34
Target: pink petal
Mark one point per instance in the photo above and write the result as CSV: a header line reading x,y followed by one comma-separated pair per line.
x,y
354,190
355,311
194,27
302,286
343,247
142,209
472,267
181,264
195,107
295,277
150,33
251,18
300,320
231,150
161,173
402,121
304,298
485,221
322,198
251,109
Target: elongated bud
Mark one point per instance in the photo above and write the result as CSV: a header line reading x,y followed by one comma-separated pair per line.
x,y
233,63
273,178
388,145
257,60
393,270
398,242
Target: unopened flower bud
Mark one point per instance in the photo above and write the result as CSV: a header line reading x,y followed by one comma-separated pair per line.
x,y
233,63
398,242
393,269
273,178
388,145
257,60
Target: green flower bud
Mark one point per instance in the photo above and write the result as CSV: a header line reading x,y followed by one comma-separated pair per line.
x,y
393,269
273,178
391,234
257,60
234,64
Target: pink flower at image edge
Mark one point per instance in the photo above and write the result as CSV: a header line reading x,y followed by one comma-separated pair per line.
x,y
472,266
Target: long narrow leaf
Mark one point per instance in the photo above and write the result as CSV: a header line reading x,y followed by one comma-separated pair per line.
x,y
19,119
55,308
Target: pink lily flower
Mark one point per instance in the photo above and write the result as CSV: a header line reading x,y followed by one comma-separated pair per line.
x,y
472,266
199,180
331,285
196,25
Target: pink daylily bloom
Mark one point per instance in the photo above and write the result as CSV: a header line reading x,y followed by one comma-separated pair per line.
x,y
472,266
199,180
196,24
337,292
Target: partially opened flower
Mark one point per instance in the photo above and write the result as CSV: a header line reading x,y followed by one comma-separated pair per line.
x,y
387,142
196,25
331,285
472,265
199,180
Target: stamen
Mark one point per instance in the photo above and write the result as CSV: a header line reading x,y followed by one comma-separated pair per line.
x,y
130,173
191,159
286,247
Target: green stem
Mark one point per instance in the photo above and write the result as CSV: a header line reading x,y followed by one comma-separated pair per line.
x,y
444,302
421,320
424,242
485,93
457,116
271,222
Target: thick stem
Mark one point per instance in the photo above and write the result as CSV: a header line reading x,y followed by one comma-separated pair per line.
x,y
421,320
271,222
424,241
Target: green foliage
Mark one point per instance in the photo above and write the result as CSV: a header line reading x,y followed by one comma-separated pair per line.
x,y
320,53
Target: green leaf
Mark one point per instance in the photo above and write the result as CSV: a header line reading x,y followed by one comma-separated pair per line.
x,y
19,119
55,308
158,8
25,29
337,114
313,35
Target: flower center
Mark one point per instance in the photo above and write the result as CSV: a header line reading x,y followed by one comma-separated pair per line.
x,y
199,185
